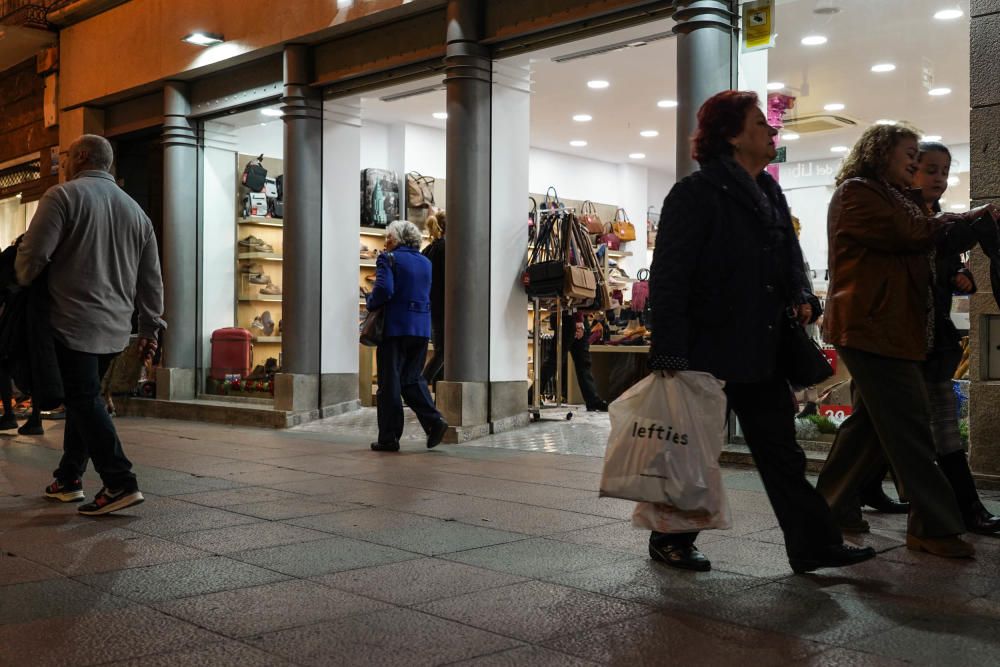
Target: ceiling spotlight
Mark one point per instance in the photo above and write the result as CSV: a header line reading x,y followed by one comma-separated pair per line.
x,y
839,149
637,156
203,38
274,113
583,118
883,67
954,180
938,92
598,84
440,115
775,85
789,136
885,121
649,134
667,104
932,137
834,106
948,14
814,40
578,143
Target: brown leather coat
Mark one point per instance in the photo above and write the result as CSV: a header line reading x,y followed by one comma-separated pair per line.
x,y
879,272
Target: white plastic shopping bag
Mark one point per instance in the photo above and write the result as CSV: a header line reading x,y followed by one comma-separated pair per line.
x,y
666,437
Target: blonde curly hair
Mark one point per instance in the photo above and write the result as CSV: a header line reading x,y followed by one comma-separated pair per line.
x,y
436,224
870,156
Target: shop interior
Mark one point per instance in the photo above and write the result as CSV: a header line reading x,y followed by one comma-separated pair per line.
x,y
602,138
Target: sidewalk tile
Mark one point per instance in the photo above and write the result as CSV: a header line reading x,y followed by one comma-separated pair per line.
x,y
249,536
529,656
504,515
23,603
227,653
310,559
538,557
240,496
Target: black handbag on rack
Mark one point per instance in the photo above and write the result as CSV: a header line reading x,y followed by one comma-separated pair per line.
x,y
544,274
800,359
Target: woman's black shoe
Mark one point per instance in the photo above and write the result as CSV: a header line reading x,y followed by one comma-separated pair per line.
x,y
883,503
599,406
835,555
385,446
681,557
437,434
981,521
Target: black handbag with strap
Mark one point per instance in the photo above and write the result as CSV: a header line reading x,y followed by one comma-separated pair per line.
x,y
800,359
372,330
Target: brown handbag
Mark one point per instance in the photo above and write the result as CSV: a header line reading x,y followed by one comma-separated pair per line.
x,y
579,283
622,227
419,190
590,219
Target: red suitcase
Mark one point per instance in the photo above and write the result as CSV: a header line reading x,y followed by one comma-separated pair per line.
x,y
232,353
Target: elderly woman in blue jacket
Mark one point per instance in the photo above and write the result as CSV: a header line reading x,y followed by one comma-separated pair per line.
x,y
403,289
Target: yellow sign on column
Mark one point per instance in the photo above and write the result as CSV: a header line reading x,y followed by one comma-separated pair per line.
x,y
758,25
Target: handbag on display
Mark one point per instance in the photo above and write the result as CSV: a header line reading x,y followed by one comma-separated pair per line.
x,y
610,239
551,201
590,219
652,226
800,358
379,197
544,274
532,220
255,175
419,190
640,290
580,282
622,227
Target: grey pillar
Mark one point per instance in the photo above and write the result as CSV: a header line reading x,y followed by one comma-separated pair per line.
x,y
180,240
468,80
706,64
984,394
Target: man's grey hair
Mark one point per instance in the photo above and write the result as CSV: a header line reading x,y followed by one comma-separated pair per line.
x,y
98,149
405,232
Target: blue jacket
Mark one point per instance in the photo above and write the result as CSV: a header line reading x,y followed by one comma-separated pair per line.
x,y
403,286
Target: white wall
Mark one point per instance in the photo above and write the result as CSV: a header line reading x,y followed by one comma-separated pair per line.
x,y
267,138
425,150
573,177
658,187
219,245
374,145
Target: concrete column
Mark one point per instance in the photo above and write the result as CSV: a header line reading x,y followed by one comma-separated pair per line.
x,y
180,245
706,64
301,271
464,396
984,418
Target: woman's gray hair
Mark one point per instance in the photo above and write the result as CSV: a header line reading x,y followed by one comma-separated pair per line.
x,y
405,232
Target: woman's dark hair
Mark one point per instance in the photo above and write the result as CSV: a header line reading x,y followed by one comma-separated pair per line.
x,y
720,119
932,147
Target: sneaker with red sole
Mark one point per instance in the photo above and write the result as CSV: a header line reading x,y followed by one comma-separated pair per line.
x,y
67,492
108,500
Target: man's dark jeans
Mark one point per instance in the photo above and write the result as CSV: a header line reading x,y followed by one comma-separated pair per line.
x,y
89,432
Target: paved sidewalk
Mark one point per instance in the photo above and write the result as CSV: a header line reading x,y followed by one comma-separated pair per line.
x,y
258,547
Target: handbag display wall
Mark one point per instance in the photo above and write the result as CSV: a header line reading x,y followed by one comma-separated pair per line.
x,y
379,197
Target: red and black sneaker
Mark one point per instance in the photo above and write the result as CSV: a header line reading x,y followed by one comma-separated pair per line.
x,y
107,501
67,492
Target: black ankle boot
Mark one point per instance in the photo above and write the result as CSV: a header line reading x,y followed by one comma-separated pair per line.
x,y
978,519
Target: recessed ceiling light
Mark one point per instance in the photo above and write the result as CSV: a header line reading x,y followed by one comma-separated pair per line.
x,y
667,104
839,149
948,14
637,156
883,67
649,134
885,121
598,84
272,112
583,118
954,180
938,92
834,106
958,207
814,40
440,115
203,38
932,137
775,85
578,143
789,136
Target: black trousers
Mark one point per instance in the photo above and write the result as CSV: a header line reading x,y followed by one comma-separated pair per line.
x,y
767,416
434,370
400,360
89,432
891,420
579,349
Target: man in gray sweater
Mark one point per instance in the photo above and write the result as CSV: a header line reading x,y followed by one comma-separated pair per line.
x,y
100,252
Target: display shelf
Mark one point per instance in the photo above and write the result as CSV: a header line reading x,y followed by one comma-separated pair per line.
x,y
260,297
367,263
372,231
618,254
260,221
263,256
267,339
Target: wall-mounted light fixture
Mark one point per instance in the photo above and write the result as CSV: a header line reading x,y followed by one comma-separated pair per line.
x,y
204,38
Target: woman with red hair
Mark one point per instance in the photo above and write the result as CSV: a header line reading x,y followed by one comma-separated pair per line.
x,y
726,270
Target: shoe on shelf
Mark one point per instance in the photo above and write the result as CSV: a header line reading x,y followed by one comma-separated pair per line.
x,y
981,521
264,247
279,327
883,503
67,492
257,324
681,557
270,289
32,427
251,242
385,446
437,434
834,555
8,422
267,322
598,406
260,278
945,547
108,500
251,267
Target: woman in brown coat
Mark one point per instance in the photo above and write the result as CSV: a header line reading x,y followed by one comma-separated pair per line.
x,y
881,245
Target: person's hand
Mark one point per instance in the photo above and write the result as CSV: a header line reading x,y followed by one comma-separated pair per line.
x,y
578,334
962,283
992,209
804,313
147,348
